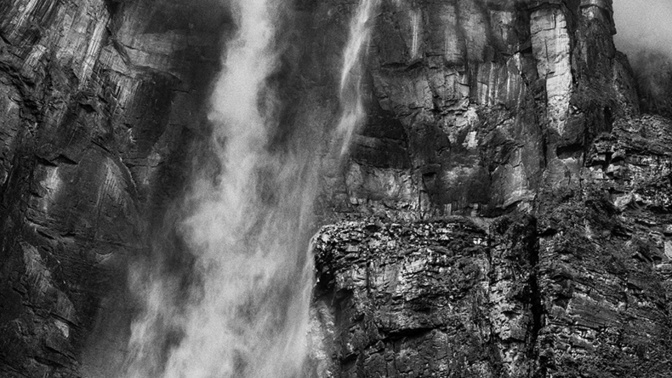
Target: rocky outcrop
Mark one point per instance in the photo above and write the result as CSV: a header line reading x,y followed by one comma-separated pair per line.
x,y
579,290
446,298
578,287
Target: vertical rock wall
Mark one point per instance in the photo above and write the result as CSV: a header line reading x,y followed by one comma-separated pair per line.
x,y
475,104
99,100
548,112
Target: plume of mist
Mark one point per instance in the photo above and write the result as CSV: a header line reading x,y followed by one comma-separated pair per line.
x,y
246,315
644,33
643,26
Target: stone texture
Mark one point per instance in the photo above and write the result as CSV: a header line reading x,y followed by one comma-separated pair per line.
x,y
484,100
563,141
98,102
443,298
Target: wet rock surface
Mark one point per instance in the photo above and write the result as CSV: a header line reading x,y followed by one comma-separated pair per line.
x,y
99,100
587,293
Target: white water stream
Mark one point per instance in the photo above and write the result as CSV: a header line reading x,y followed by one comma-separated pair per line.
x,y
350,93
249,314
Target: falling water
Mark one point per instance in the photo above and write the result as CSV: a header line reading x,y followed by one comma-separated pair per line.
x,y
350,94
248,314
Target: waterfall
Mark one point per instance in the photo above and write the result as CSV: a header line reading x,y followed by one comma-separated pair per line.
x,y
247,315
350,93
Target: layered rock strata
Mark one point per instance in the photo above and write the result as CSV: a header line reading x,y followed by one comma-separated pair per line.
x,y
582,289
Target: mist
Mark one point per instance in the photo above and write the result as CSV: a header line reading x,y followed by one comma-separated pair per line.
x,y
643,26
644,34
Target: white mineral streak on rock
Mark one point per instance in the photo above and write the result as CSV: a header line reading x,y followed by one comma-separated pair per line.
x,y
34,57
452,47
52,184
350,94
93,49
113,186
416,17
24,13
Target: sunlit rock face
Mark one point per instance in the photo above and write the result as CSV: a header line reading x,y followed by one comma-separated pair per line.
x,y
523,107
475,104
582,287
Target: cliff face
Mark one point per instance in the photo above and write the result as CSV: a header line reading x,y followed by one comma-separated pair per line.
x,y
474,105
580,290
510,108
99,100
517,122
442,298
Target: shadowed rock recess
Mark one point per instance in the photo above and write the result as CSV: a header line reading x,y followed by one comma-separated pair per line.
x,y
505,211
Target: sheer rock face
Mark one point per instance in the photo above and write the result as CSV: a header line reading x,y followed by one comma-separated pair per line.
x,y
476,107
98,98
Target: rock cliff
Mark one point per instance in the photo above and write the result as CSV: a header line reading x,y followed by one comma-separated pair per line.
x,y
506,109
488,102
503,212
99,100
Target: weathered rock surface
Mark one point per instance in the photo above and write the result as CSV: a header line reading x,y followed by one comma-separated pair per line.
x,y
98,100
442,298
475,104
583,289
543,105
